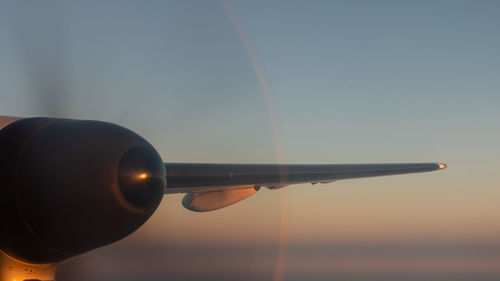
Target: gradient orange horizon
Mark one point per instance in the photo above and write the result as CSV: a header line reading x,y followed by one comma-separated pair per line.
x,y
420,207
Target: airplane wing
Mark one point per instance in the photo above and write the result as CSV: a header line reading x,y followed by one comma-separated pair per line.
x,y
216,185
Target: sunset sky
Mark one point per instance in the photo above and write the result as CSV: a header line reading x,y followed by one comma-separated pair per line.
x,y
290,82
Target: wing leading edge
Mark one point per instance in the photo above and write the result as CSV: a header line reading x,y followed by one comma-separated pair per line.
x,y
197,178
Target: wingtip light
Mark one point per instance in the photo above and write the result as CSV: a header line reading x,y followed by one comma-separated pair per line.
x,y
442,166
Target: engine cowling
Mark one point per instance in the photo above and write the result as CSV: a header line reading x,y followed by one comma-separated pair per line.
x,y
70,186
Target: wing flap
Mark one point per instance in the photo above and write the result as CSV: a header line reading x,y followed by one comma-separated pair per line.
x,y
214,200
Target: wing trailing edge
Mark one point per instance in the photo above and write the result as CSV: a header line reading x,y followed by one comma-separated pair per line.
x,y
213,186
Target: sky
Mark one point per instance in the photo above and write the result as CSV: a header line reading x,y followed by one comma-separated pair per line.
x,y
284,82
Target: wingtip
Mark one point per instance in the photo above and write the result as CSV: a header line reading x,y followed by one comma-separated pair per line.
x,y
442,166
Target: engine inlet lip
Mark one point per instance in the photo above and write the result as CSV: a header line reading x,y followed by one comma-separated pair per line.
x,y
141,178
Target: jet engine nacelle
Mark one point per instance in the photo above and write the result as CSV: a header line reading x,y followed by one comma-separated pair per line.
x,y
69,186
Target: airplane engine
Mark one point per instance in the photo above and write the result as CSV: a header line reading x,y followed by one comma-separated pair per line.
x,y
70,186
